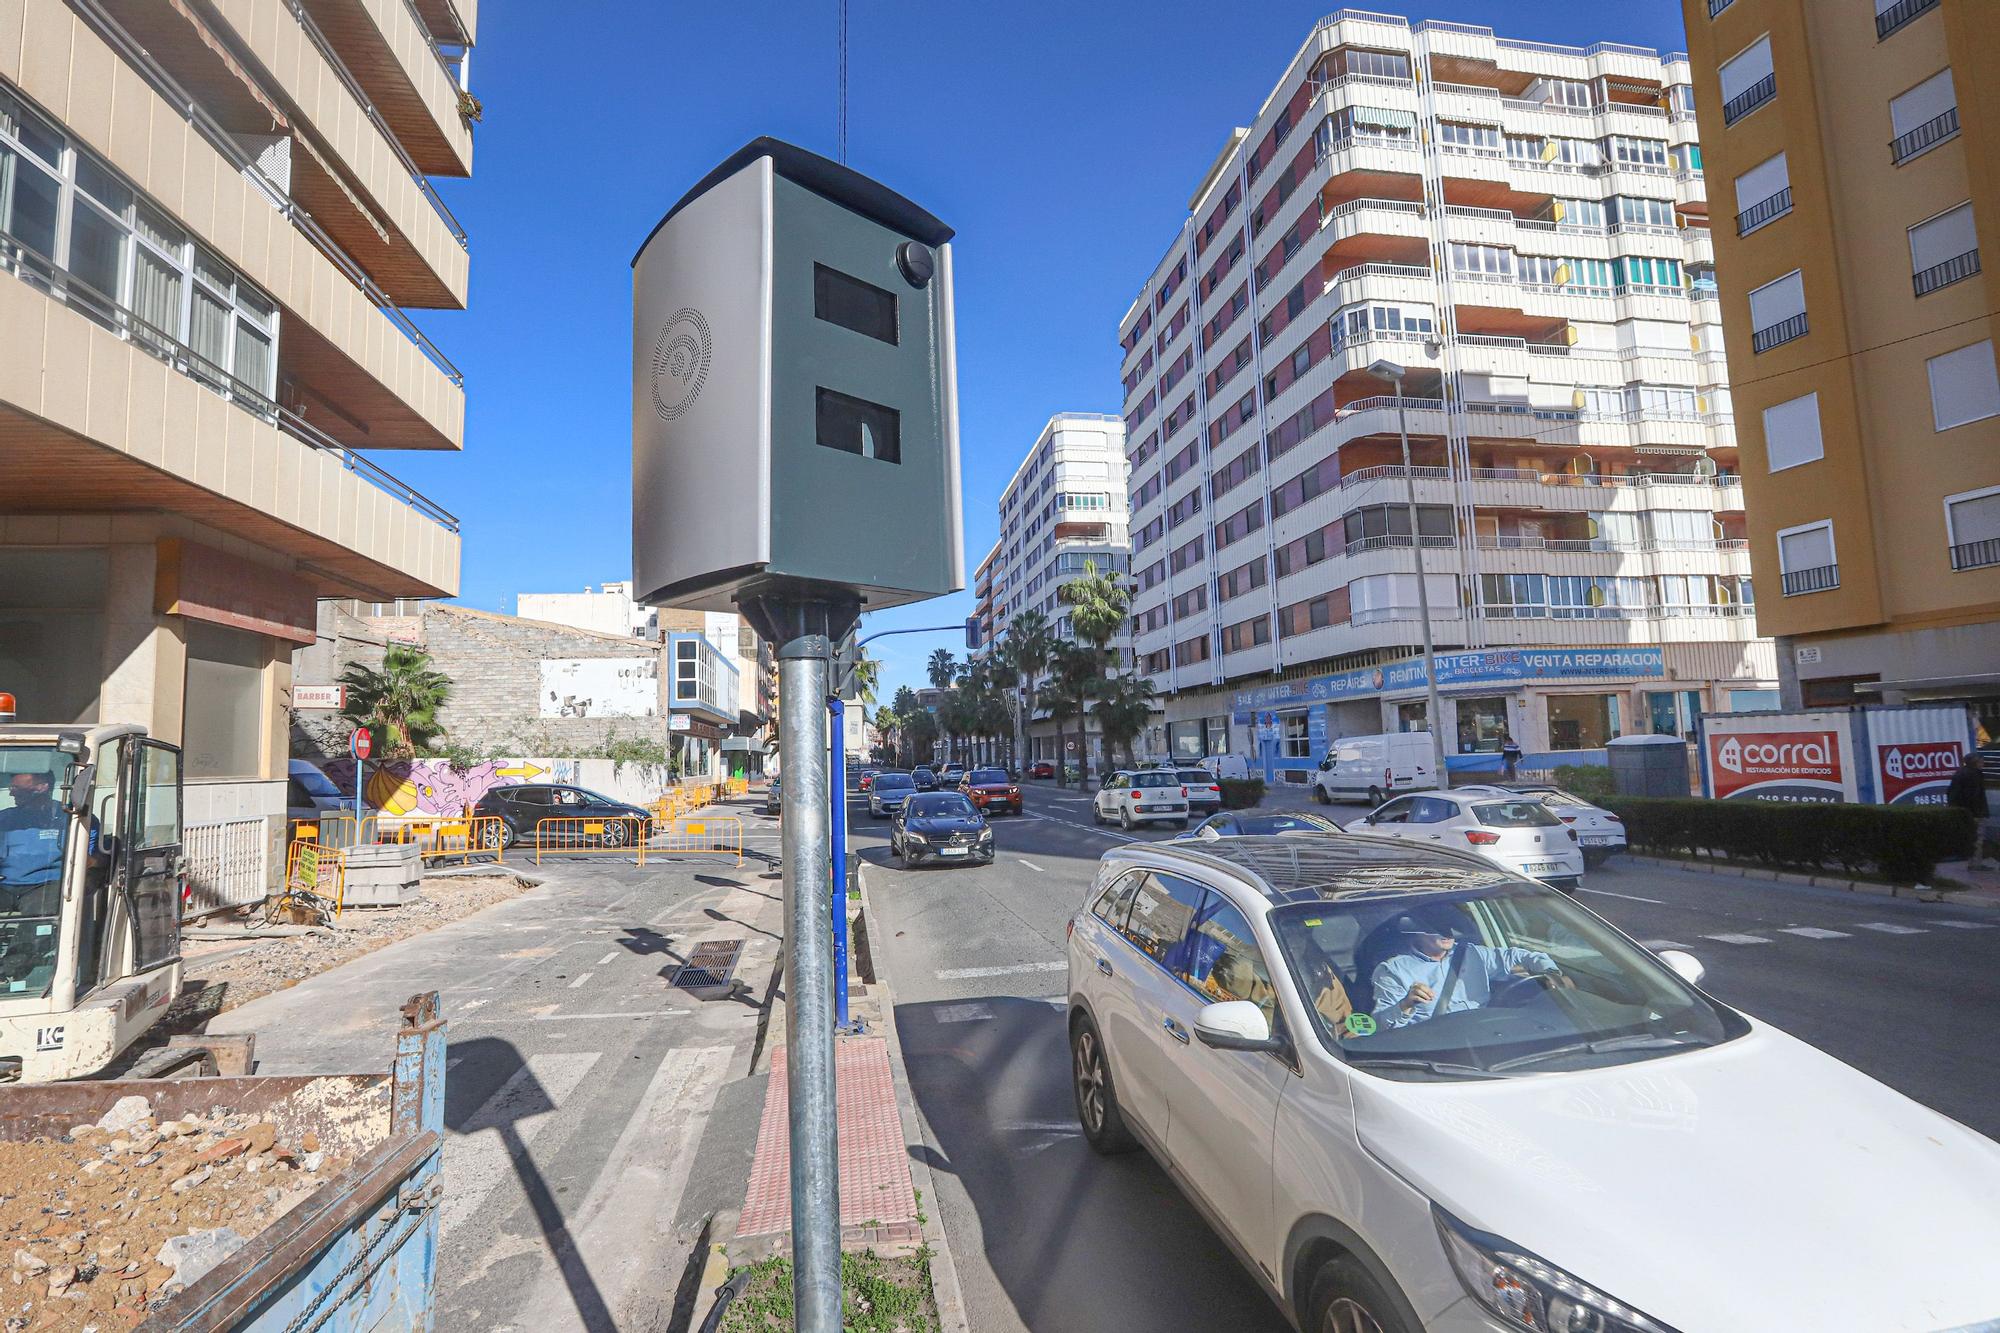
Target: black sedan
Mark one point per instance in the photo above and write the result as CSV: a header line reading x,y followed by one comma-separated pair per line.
x,y
522,808
924,778
940,826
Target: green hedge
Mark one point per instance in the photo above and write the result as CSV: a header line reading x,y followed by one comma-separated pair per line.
x,y
1591,782
1242,793
1902,844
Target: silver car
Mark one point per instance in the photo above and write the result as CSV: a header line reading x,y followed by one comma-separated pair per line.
x,y
1600,833
887,793
1150,794
1517,832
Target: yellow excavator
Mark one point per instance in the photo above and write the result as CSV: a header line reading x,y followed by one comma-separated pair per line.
x,y
92,879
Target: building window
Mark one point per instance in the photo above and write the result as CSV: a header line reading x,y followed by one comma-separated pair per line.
x,y
1763,194
1747,81
1778,312
1752,701
1294,736
1791,433
1482,724
1923,117
1481,261
1806,558
1583,721
1964,386
1972,525
1893,14
223,732
1944,249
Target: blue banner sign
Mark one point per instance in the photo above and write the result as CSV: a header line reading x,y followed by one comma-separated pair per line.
x,y
1491,666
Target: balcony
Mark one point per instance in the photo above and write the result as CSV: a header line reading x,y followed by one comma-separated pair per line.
x,y
408,79
1937,276
1750,99
1976,555
1764,211
1900,14
1784,331
1717,6
1817,579
1924,137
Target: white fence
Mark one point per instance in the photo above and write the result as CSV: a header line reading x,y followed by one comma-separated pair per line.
x,y
227,864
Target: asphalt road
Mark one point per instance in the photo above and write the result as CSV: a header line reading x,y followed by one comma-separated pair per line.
x,y
1047,1236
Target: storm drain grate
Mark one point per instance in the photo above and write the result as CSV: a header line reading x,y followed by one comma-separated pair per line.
x,y
710,963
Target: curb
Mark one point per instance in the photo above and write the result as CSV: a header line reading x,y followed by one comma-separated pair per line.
x,y
1917,892
945,1289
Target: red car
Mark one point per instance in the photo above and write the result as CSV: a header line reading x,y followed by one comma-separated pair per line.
x,y
1042,768
991,790
867,779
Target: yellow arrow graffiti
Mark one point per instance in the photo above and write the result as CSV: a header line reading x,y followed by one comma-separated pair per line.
x,y
521,771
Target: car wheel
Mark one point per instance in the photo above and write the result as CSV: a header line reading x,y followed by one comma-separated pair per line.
x,y
1319,795
1374,796
1125,820
508,835
615,833
1346,1298
1096,1099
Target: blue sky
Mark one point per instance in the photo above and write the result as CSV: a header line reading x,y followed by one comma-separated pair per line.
x,y
1061,140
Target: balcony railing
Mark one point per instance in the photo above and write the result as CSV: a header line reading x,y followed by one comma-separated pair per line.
x,y
1763,340
1750,99
1924,137
1717,6
1763,211
1817,579
1900,13
61,285
1956,269
1976,555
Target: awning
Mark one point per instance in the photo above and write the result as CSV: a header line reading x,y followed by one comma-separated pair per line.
x,y
748,721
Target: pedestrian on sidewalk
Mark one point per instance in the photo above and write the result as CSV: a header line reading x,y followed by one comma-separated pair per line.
x,y
1510,754
1968,792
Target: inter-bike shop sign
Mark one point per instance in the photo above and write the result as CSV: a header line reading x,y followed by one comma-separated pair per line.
x,y
1488,667
1894,756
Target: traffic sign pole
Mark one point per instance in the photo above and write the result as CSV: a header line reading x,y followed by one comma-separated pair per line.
x,y
360,745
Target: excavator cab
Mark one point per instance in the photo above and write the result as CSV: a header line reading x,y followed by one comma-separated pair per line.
x,y
91,872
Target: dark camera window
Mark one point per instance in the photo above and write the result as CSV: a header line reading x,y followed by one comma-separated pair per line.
x,y
856,426
854,304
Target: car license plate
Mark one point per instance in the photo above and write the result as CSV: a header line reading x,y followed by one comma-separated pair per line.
x,y
951,851
1545,867
1599,839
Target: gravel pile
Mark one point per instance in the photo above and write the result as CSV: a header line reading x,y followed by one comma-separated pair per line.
x,y
98,1228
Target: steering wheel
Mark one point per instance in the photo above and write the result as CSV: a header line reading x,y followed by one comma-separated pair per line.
x,y
1517,991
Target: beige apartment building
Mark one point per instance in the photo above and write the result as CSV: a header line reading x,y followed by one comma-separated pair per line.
x,y
214,215
1852,151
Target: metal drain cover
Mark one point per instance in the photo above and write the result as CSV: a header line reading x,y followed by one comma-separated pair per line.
x,y
709,963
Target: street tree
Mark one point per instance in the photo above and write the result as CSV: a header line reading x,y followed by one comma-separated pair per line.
x,y
398,704
1073,678
1098,603
1025,650
1124,706
942,668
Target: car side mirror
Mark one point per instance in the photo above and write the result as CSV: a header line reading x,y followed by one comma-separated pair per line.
x,y
76,800
1685,965
1235,1025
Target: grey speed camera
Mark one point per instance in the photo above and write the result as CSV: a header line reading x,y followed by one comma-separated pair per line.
x,y
794,401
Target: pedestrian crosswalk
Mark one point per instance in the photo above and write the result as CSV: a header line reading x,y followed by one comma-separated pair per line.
x,y
1821,933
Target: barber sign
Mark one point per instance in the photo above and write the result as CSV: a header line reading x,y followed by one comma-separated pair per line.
x,y
1789,766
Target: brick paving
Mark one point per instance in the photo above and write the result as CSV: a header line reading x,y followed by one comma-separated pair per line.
x,y
878,1204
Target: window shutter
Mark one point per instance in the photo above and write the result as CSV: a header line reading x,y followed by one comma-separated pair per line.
x,y
1791,433
1945,237
1975,519
1775,302
1923,103
1964,385
1750,65
1809,548
1762,181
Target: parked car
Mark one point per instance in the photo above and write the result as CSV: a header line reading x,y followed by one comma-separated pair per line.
x,y
521,809
857,778
888,792
1042,768
940,826
951,774
1598,831
1244,1009
925,778
1234,823
309,793
868,778
1141,797
773,798
1204,791
1515,831
991,789
1375,767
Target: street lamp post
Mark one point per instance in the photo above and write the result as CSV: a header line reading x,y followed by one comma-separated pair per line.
x,y
1433,719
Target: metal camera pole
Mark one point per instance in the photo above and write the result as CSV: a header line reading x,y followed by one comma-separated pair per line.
x,y
1433,719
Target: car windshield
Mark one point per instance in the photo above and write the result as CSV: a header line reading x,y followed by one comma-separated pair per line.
x,y
1156,780
1522,813
939,804
923,773
1493,977
34,833
886,781
987,777
315,783
1199,776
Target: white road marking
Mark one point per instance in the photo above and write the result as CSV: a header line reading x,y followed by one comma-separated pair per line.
x,y
1887,929
581,978
1628,897
1738,939
1087,828
1657,945
1965,925
623,1013
968,973
607,958
963,1013
1814,933
478,1161
1032,866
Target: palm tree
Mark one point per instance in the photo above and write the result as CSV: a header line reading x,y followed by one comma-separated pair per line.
x,y
1026,651
942,669
400,702
867,679
1124,707
1098,604
1073,676
887,724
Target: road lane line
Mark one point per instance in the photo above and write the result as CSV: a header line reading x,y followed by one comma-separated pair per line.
x,y
516,1113
969,973
1087,828
1886,928
1738,939
1965,925
607,958
581,979
1814,933
1032,866
1628,897
1657,945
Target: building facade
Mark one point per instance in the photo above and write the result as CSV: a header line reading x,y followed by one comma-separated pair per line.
x,y
1855,147
1517,235
213,219
605,609
1065,508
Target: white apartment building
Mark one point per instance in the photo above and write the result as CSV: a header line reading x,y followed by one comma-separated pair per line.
x,y
1521,231
1065,506
606,609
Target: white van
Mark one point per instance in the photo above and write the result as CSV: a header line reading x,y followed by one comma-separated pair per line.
x,y
1372,768
1227,766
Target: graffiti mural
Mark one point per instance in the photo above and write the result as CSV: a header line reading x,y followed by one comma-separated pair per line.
x,y
435,787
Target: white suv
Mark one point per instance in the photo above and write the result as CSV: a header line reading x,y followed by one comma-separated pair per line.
x,y
1517,831
1419,1094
